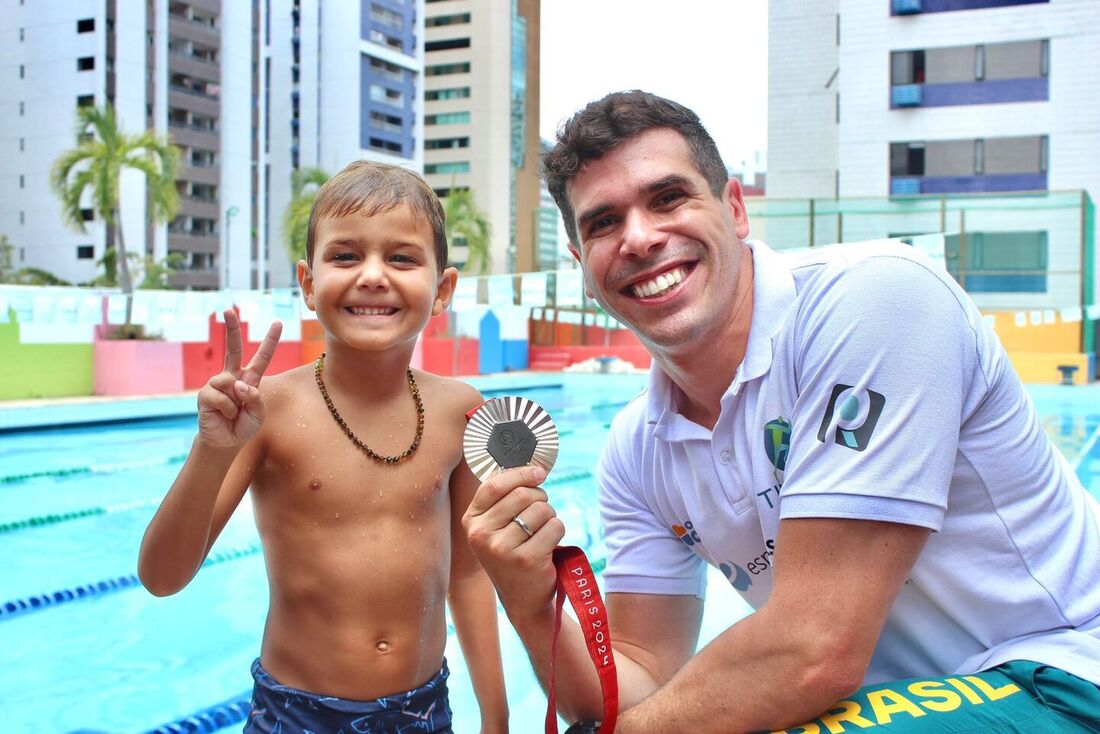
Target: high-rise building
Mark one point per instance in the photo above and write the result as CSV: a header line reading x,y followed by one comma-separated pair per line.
x,y
481,112
887,117
894,97
182,67
344,84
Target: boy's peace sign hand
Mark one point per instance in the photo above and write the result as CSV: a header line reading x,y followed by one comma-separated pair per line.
x,y
231,409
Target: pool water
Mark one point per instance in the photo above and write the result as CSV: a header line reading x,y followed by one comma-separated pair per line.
x,y
96,653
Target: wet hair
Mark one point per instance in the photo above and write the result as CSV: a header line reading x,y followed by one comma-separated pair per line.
x,y
602,125
370,188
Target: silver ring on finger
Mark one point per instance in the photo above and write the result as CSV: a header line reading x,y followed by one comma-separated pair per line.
x,y
523,525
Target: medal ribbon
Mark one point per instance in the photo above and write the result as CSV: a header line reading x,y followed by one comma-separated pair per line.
x,y
576,580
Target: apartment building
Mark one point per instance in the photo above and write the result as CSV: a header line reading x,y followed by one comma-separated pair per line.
x,y
481,92
344,83
184,68
893,100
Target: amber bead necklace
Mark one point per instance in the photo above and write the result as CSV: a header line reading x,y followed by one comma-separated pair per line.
x,y
320,368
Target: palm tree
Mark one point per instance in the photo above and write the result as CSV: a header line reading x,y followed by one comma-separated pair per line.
x,y
467,225
304,184
92,169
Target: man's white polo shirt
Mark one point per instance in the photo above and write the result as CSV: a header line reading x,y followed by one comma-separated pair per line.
x,y
871,389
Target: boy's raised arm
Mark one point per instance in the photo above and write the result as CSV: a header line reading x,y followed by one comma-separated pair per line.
x,y
473,603
217,471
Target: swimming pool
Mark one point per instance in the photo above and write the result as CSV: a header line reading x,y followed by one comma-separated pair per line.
x,y
93,652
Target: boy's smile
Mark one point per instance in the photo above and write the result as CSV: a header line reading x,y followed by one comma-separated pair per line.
x,y
374,282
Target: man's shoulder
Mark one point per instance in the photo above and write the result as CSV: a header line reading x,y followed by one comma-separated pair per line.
x,y
875,272
632,421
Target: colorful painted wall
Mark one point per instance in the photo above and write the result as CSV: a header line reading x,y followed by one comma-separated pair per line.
x,y
42,370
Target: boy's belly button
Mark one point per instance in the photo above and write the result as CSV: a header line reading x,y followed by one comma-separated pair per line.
x,y
382,646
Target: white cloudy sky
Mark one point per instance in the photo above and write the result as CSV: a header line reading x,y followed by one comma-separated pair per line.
x,y
711,55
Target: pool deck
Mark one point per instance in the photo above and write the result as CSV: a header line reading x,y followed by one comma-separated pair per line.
x,y
18,415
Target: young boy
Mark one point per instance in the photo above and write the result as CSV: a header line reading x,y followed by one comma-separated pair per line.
x,y
358,482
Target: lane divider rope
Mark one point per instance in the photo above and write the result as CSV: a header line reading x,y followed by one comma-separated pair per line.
x,y
114,468
211,719
54,518
34,603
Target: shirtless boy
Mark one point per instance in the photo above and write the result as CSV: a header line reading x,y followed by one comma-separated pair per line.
x,y
358,482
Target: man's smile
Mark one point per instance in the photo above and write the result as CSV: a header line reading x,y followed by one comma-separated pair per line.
x,y
660,284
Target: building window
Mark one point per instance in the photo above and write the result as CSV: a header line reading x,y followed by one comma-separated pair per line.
x,y
22,181
432,95
20,108
87,215
381,121
441,69
85,25
442,143
1044,57
22,71
22,144
447,44
1044,153
22,217
454,19
85,63
979,156
85,252
20,35
447,118
379,93
979,63
386,16
456,167
907,159
85,100
907,67
387,145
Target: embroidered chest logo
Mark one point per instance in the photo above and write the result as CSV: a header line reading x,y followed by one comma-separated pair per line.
x,y
857,411
686,533
777,443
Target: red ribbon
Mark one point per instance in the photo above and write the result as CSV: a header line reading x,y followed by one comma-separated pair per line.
x,y
576,580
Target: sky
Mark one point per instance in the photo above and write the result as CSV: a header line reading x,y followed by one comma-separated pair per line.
x,y
710,55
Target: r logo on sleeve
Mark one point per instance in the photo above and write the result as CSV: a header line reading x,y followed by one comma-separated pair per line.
x,y
857,413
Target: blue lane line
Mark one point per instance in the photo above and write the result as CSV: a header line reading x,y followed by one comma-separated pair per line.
x,y
211,719
36,602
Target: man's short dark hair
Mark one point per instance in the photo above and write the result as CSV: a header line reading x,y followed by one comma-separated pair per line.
x,y
620,116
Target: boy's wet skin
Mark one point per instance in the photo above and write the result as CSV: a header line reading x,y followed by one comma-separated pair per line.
x,y
355,551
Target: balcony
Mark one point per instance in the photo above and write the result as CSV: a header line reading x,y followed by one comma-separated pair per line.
x,y
905,186
911,7
989,91
976,184
906,95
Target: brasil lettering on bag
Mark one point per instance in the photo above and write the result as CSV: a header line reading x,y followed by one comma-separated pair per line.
x,y
920,698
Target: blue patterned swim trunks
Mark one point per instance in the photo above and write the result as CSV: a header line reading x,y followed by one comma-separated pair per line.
x,y
279,709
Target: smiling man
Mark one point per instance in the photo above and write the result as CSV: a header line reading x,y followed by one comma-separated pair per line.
x,y
841,435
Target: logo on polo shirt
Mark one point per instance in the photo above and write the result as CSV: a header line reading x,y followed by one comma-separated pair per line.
x,y
686,533
777,442
740,577
857,412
